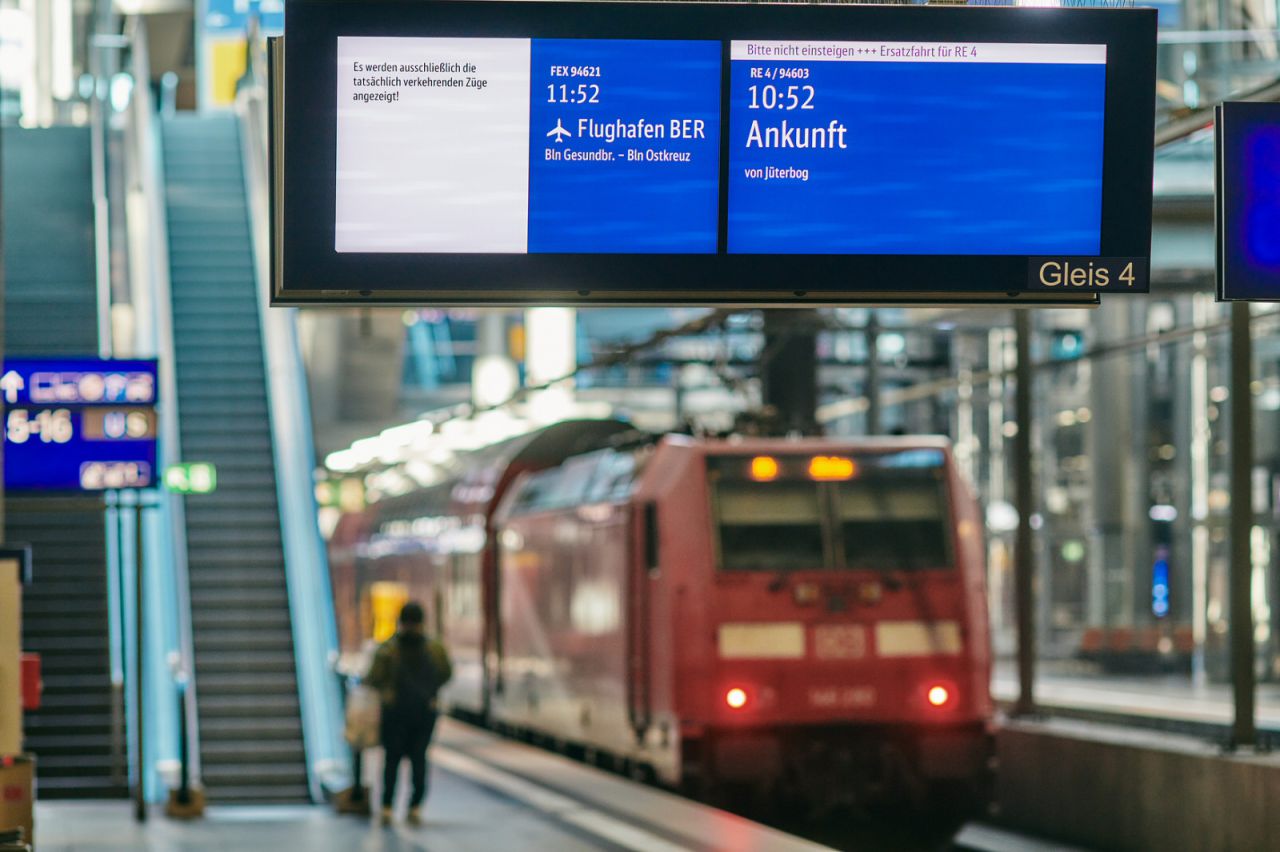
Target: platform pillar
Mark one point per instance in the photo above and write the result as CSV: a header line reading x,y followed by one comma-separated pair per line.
x,y
551,355
1243,730
494,378
1114,477
1024,500
789,370
872,333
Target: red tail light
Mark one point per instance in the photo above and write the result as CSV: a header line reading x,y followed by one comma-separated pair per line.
x,y
938,695
736,698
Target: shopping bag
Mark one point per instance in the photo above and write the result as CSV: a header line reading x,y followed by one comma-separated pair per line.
x,y
364,717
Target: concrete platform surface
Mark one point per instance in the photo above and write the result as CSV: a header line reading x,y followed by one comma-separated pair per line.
x,y
1154,697
486,793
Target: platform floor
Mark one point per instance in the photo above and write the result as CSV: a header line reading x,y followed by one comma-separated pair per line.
x,y
486,793
1154,697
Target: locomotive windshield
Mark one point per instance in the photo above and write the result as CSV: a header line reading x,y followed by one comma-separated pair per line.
x,y
769,525
894,522
883,512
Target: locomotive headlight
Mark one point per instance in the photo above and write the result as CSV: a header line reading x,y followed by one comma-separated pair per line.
x,y
938,695
806,594
736,698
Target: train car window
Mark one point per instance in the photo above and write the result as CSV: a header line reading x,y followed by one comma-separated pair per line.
x,y
614,477
769,526
535,492
895,522
575,478
557,487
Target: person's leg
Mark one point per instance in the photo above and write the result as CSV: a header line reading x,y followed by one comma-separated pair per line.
x,y
420,739
393,747
418,758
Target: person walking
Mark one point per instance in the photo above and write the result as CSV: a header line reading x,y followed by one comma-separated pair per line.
x,y
408,671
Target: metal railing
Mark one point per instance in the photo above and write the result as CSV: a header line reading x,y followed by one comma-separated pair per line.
x,y
1198,69
169,651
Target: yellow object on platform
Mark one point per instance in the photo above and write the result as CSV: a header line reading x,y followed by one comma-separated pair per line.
x,y
385,602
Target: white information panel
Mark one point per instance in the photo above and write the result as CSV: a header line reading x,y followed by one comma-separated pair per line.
x,y
432,145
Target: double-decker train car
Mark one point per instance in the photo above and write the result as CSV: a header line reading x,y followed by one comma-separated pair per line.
x,y
800,615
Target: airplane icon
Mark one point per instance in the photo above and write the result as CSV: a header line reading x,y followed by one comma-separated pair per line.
x,y
559,132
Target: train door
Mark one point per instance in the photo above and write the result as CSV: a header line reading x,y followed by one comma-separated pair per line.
x,y
644,562
491,652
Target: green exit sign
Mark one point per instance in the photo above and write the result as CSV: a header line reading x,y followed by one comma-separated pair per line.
x,y
191,478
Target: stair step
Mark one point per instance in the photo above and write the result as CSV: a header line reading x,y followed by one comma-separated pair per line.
x,y
69,743
253,537
76,764
47,725
247,727
239,683
72,645
259,795
244,753
250,706
216,642
279,661
246,570
204,578
82,787
206,620
248,600
252,773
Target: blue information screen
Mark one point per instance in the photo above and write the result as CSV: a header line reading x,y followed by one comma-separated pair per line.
x,y
625,146
915,148
1249,219
79,424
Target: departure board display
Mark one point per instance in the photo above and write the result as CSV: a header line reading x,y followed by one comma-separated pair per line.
x,y
458,152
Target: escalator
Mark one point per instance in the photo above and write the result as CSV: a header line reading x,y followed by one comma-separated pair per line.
x,y
50,306
250,721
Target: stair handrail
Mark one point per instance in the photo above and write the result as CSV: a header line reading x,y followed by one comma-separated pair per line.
x,y
311,607
148,237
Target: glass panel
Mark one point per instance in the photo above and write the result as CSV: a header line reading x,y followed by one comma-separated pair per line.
x,y
768,526
897,524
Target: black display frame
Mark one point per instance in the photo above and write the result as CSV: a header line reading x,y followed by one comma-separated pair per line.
x,y
306,268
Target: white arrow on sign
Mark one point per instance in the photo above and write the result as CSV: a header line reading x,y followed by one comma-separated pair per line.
x,y
11,383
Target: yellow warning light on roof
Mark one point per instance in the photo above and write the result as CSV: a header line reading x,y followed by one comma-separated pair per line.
x,y
831,467
764,468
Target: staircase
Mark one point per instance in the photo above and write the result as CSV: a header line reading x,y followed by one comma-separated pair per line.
x,y
251,745
50,310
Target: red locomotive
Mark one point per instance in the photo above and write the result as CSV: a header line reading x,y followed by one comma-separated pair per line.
x,y
805,616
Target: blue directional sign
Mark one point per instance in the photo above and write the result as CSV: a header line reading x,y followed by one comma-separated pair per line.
x,y
81,424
